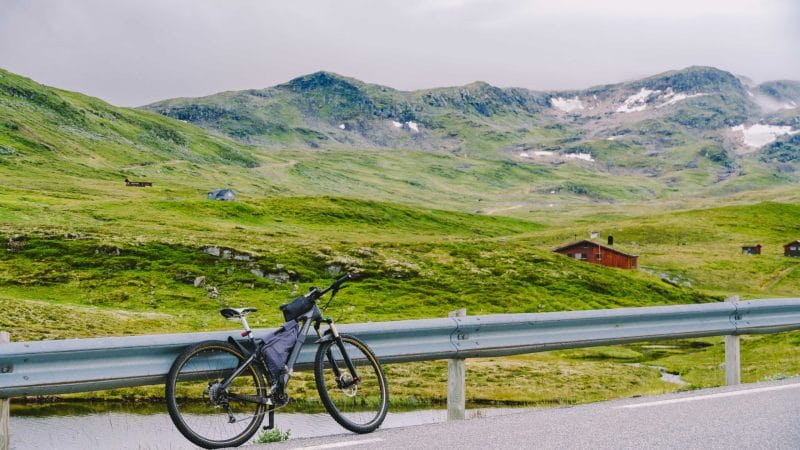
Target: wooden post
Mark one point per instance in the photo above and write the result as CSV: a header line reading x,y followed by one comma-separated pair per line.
x,y
5,406
456,381
733,363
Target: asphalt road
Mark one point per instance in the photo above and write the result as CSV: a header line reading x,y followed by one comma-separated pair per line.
x,y
752,416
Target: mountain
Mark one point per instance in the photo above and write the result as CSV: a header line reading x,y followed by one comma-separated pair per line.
x,y
56,144
61,133
327,109
696,97
774,95
688,128
688,134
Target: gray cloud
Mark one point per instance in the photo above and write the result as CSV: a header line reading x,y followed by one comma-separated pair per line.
x,y
134,52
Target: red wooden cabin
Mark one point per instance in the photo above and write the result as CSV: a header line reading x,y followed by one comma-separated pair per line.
x,y
593,252
792,249
751,249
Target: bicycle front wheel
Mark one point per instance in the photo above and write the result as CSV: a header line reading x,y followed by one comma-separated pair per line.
x,y
207,413
351,384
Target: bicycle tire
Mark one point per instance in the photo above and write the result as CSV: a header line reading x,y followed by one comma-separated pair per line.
x,y
360,407
199,410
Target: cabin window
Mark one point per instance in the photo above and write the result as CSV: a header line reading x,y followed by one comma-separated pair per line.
x,y
579,256
599,257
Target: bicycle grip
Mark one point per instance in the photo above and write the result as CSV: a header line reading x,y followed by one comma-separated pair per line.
x,y
341,280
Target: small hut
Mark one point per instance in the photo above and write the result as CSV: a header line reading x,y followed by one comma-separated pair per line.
x,y
792,249
222,194
751,249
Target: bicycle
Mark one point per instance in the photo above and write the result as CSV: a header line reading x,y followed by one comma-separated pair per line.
x,y
217,394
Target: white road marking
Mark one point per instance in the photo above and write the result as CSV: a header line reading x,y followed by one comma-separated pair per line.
x,y
340,444
710,396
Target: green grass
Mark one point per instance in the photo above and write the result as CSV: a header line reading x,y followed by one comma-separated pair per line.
x,y
399,280
425,232
273,435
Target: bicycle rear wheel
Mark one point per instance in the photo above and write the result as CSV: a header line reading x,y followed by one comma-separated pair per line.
x,y
204,412
356,397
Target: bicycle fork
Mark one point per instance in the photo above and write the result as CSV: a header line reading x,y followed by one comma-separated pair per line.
x,y
341,380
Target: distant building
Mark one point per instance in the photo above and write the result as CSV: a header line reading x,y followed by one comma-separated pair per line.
x,y
593,252
138,183
792,249
751,249
222,194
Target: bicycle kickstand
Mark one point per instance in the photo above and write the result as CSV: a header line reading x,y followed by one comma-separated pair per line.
x,y
271,416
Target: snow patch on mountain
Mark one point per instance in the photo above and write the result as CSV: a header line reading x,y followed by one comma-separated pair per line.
x,y
411,125
759,135
636,102
640,100
554,155
581,156
670,97
566,104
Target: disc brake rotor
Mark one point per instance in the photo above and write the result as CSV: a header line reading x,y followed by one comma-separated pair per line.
x,y
349,388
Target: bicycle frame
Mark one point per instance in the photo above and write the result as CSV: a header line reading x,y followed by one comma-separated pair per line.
x,y
314,315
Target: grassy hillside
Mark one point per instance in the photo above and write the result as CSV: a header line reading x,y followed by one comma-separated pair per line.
x,y
702,248
63,195
668,135
426,232
76,149
44,125
413,263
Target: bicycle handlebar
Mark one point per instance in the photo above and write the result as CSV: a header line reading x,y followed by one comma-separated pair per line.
x,y
315,293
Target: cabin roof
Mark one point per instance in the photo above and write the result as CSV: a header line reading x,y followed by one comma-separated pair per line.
x,y
594,244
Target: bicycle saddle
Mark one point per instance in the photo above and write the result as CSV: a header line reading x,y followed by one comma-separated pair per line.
x,y
230,313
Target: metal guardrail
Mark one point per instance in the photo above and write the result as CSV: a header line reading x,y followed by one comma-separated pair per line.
x,y
81,365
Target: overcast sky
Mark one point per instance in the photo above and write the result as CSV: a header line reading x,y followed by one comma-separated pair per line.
x,y
132,52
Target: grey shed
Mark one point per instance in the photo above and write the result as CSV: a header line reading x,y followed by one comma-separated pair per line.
x,y
222,194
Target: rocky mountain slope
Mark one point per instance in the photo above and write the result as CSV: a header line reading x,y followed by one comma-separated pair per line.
x,y
685,135
698,125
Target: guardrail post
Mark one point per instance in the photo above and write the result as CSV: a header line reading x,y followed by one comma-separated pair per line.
x,y
733,361
5,406
456,381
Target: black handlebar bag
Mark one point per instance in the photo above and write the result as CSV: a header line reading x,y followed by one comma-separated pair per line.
x,y
296,308
277,346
